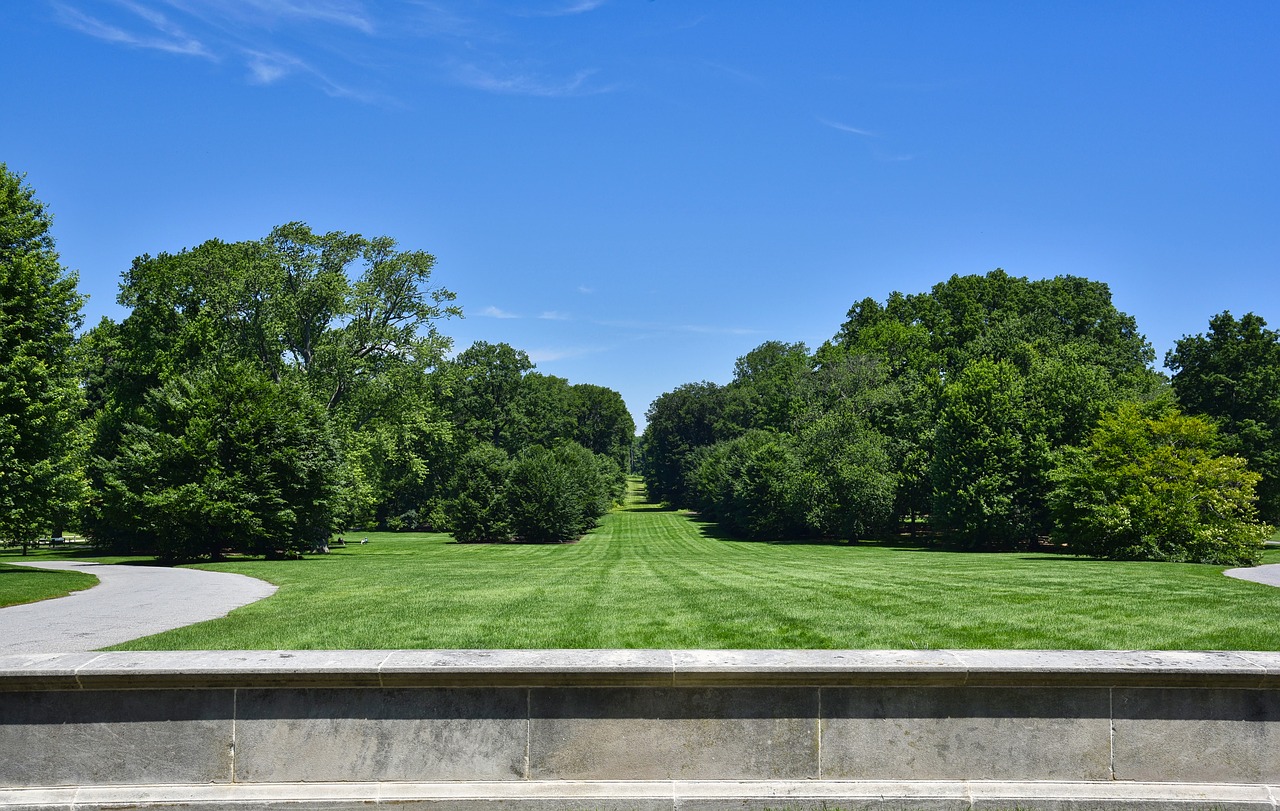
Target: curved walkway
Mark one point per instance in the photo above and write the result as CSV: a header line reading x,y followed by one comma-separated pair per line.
x,y
1268,574
128,602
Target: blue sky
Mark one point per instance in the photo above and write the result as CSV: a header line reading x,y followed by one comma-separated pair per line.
x,y
636,192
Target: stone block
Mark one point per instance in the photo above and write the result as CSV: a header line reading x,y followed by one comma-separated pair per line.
x,y
325,735
1218,736
90,737
673,733
954,733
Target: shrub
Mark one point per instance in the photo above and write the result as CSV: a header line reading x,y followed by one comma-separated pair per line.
x,y
478,510
541,495
223,459
1149,485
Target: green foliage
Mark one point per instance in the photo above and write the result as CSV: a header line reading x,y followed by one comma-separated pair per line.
x,y
555,494
680,422
753,485
851,478
1151,485
1232,375
478,509
224,459
988,471
485,382
603,423
348,320
957,399
541,495
40,467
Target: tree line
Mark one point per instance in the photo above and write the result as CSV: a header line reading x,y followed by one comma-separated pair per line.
x,y
261,395
1003,412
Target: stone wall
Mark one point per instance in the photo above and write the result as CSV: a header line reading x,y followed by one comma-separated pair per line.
x,y
640,729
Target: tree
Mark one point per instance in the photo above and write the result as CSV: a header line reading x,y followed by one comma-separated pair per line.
x,y
1150,485
1232,375
40,476
485,381
477,509
988,471
223,459
852,473
603,423
349,320
770,387
679,422
557,494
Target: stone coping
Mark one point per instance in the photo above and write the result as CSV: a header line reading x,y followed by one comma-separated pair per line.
x,y
638,668
662,795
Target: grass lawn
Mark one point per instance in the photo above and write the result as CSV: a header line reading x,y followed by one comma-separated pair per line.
x,y
20,584
649,578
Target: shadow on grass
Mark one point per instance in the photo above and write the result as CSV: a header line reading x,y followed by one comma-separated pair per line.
x,y
904,542
650,507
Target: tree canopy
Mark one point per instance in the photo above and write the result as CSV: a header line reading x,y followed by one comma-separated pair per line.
x,y
1232,375
40,401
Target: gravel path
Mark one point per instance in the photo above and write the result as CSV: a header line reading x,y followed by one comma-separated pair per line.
x,y
128,602
1268,574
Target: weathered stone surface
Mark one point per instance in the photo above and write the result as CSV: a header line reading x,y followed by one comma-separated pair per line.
x,y
384,734
819,795
1116,796
41,671
815,667
1110,668
527,668
109,737
1221,736
948,733
125,669
673,733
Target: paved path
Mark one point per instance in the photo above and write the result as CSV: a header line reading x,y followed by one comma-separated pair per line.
x,y
128,602
1268,574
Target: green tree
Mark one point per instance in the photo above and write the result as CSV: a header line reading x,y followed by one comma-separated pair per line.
x,y
604,425
771,387
478,509
680,422
988,471
1151,485
349,320
852,475
557,494
40,402
486,383
223,459
1232,374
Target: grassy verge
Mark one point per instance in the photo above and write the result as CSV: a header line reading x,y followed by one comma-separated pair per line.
x,y
21,584
649,578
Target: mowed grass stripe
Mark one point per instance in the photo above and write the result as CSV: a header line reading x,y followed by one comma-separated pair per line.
x,y
651,578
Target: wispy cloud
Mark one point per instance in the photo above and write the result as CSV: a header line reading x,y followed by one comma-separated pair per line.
x,y
702,329
836,125
163,36
494,312
350,48
584,290
563,9
526,84
549,355
350,15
